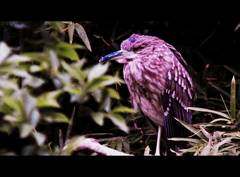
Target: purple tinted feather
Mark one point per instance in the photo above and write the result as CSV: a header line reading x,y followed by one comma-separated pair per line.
x,y
158,80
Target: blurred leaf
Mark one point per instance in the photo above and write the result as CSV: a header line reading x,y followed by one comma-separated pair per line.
x,y
11,118
105,101
113,94
54,61
218,88
72,144
97,71
126,145
14,104
57,25
36,68
33,82
147,151
233,98
48,99
97,94
4,51
119,145
34,117
98,118
52,117
67,52
209,111
234,71
109,80
81,32
39,137
74,72
8,84
25,130
70,31
118,121
17,59
237,27
123,109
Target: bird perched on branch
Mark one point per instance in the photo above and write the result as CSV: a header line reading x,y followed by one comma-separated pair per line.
x,y
159,83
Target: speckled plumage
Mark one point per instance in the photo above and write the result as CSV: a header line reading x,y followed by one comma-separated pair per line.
x,y
158,81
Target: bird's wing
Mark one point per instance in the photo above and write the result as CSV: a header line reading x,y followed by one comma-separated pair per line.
x,y
179,93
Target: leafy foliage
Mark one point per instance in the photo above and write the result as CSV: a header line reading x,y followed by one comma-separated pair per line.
x,y
224,140
22,75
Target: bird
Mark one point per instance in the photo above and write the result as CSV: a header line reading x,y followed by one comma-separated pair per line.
x,y
159,83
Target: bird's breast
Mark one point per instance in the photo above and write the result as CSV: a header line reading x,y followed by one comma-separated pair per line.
x,y
145,86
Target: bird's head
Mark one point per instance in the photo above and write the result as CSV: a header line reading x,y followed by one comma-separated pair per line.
x,y
136,47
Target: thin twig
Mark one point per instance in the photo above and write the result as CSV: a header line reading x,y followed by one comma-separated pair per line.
x,y
60,139
70,125
206,39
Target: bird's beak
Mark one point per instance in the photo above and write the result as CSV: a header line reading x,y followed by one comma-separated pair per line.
x,y
120,56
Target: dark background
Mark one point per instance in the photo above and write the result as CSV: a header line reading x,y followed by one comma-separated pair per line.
x,y
206,45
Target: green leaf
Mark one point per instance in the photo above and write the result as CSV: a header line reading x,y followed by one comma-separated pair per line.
x,y
14,104
113,93
52,117
118,121
73,143
123,109
210,111
81,32
70,31
48,99
69,53
57,25
233,98
109,80
98,118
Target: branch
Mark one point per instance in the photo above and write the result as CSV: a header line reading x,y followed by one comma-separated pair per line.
x,y
92,144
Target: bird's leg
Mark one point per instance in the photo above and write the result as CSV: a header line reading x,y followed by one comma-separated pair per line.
x,y
157,153
136,127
